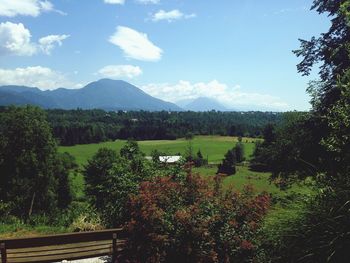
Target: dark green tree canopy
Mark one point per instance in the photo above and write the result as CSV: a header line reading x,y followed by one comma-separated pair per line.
x,y
228,165
29,172
331,49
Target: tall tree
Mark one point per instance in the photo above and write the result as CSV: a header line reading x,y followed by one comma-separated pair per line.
x,y
330,50
98,175
111,178
27,161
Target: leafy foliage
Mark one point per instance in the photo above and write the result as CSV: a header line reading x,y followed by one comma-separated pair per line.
x,y
111,178
331,50
189,220
33,178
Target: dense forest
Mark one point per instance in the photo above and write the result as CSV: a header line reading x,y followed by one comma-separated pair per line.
x,y
91,126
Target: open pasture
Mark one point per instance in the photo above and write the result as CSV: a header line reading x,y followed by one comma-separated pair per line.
x,y
212,147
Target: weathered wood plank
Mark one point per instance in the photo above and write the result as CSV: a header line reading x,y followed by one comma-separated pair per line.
x,y
48,259
53,258
3,252
59,252
64,246
62,239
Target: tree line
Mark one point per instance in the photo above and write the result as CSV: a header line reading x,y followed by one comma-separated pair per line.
x,y
72,127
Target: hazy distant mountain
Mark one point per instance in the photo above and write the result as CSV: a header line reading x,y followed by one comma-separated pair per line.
x,y
202,104
104,94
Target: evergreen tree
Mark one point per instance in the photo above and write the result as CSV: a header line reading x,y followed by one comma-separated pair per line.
x,y
228,165
239,152
199,160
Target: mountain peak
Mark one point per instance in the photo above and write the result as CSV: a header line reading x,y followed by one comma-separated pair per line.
x,y
107,94
106,80
204,104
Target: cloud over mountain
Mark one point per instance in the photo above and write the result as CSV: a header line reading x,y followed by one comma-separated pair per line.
x,y
40,77
231,97
120,71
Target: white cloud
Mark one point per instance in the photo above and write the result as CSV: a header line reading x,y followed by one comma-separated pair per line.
x,y
135,44
48,43
34,8
148,1
119,71
171,15
15,39
40,77
117,2
231,97
121,2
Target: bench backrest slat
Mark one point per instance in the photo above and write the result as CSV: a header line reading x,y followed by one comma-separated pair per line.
x,y
63,246
62,239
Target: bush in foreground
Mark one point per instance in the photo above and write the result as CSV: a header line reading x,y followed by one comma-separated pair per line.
x,y
191,220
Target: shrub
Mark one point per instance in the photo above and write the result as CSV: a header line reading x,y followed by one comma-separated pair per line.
x,y
192,220
320,233
87,222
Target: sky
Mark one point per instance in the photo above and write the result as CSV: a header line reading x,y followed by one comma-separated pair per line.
x,y
238,52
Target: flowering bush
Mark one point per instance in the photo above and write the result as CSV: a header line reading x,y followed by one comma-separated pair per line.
x,y
192,220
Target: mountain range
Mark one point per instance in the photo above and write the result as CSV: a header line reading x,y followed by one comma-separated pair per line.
x,y
108,94
104,94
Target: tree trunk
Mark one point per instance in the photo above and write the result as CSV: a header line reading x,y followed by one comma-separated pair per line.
x,y
31,206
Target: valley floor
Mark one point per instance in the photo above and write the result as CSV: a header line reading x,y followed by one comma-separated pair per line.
x,y
285,203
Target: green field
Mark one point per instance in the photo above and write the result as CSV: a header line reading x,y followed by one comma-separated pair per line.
x,y
260,181
212,147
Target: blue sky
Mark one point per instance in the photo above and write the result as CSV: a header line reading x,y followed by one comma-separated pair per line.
x,y
238,52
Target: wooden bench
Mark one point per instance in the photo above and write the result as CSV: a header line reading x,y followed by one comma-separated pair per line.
x,y
62,247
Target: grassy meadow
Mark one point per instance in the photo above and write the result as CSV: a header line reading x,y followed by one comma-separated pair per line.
x,y
212,147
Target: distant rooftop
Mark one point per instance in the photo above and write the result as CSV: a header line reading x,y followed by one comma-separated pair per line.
x,y
169,159
166,159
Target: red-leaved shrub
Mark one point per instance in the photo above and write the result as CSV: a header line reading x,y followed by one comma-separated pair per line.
x,y
192,220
